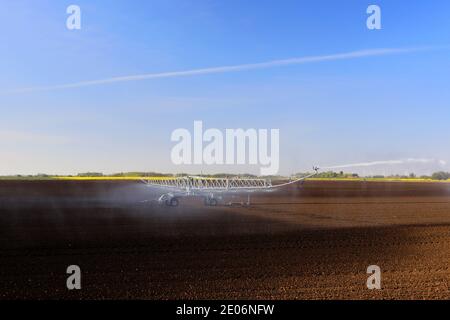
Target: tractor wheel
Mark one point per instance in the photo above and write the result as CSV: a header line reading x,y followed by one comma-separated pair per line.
x,y
174,202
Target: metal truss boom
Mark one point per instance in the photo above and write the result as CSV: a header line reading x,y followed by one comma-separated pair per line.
x,y
213,184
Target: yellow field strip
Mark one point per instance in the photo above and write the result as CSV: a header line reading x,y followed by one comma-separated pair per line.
x,y
112,178
310,179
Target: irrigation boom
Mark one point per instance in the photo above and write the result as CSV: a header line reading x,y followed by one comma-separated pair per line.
x,y
205,187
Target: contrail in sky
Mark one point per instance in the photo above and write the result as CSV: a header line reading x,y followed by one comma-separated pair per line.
x,y
227,69
387,162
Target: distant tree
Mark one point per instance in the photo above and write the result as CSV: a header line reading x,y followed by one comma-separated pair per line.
x,y
42,175
181,175
441,175
117,174
327,174
90,174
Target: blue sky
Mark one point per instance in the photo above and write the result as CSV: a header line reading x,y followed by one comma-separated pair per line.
x,y
329,113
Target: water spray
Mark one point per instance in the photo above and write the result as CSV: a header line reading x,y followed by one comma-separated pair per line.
x,y
387,162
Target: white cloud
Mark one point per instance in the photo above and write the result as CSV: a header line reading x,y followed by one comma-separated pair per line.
x,y
227,69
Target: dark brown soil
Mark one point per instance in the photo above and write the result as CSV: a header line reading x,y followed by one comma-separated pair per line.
x,y
313,241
